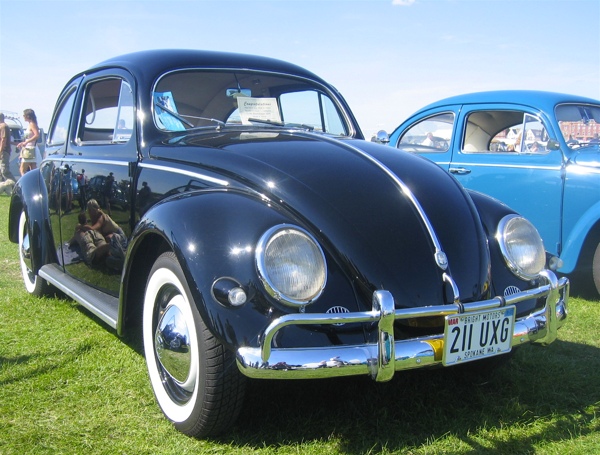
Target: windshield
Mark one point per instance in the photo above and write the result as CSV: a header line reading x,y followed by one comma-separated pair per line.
x,y
201,98
580,124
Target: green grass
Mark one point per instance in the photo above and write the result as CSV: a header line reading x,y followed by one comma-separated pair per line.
x,y
70,386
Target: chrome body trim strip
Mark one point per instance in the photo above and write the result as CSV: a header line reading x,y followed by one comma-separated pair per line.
x,y
192,174
439,255
380,360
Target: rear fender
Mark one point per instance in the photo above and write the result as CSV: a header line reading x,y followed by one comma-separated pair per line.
x,y
30,196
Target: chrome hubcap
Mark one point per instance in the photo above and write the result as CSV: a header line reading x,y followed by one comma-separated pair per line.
x,y
173,351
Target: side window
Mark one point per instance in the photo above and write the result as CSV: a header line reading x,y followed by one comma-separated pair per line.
x,y
504,131
60,127
313,109
107,116
431,135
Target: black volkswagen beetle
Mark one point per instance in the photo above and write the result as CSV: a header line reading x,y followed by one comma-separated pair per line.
x,y
261,237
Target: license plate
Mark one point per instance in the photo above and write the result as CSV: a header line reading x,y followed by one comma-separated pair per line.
x,y
472,336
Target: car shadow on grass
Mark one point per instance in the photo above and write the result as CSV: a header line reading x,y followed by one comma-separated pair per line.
x,y
538,388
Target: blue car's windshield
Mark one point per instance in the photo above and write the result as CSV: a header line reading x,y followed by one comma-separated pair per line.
x,y
580,124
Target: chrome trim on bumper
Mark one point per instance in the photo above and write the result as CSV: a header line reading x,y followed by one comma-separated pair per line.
x,y
380,360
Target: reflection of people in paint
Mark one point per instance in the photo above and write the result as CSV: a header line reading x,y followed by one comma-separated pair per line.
x,y
100,221
82,182
107,191
143,197
111,231
91,243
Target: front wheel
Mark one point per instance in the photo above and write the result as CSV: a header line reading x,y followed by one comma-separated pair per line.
x,y
33,283
195,379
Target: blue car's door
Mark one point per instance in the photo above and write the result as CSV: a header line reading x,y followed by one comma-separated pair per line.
x,y
500,150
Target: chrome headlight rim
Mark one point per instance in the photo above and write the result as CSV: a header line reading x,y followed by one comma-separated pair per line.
x,y
264,274
503,241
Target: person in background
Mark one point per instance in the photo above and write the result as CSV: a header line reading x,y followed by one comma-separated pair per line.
x,y
6,176
572,141
27,147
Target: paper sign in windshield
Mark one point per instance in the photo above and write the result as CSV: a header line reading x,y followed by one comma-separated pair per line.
x,y
264,109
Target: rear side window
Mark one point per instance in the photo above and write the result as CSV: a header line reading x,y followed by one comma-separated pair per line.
x,y
60,127
107,116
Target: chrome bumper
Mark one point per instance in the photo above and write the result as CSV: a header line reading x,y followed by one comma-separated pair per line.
x,y
380,360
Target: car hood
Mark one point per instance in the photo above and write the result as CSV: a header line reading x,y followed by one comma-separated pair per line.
x,y
588,156
364,203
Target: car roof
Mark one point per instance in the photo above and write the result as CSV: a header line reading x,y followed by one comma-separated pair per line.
x,y
162,60
540,99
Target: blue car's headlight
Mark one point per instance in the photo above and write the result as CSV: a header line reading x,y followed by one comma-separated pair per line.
x,y
521,246
291,265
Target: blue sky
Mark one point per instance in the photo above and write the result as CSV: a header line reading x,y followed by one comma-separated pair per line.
x,y
388,58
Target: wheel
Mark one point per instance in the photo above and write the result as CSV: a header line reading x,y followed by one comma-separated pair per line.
x,y
33,283
195,379
596,269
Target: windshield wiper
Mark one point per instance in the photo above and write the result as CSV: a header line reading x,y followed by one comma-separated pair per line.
x,y
266,122
173,114
182,118
287,125
218,122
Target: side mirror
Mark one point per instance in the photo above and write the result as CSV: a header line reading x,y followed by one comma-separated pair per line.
x,y
381,137
552,145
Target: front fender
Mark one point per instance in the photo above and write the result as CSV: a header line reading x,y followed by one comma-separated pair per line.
x,y
214,234
30,195
491,211
574,242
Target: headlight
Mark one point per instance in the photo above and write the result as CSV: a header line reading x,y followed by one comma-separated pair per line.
x,y
521,246
291,265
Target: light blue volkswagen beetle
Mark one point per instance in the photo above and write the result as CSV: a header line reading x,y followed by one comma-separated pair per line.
x,y
538,152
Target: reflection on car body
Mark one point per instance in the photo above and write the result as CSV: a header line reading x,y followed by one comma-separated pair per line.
x,y
263,237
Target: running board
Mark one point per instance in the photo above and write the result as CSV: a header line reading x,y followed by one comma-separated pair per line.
x,y
103,305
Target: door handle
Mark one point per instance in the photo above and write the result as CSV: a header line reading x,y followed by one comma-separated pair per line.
x,y
459,170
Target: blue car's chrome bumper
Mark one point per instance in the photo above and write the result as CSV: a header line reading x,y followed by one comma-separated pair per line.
x,y
380,360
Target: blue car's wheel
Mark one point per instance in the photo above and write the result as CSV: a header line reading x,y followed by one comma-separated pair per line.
x,y
596,269
195,380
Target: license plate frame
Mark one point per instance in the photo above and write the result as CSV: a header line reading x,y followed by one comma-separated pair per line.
x,y
476,335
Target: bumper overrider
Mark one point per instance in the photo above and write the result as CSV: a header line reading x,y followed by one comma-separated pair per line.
x,y
380,360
